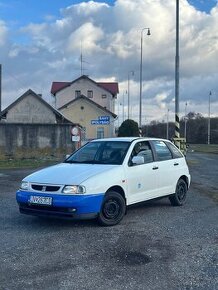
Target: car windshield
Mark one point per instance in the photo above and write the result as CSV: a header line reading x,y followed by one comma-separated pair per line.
x,y
100,152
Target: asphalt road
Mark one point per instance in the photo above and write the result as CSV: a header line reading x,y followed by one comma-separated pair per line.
x,y
156,246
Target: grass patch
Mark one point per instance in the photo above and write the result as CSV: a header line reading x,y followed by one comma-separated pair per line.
x,y
204,148
26,163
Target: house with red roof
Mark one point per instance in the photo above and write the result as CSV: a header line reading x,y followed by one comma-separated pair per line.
x,y
90,103
102,93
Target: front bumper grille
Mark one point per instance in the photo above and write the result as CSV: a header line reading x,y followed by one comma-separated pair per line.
x,y
45,188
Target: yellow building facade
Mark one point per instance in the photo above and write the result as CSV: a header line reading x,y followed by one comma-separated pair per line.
x,y
97,122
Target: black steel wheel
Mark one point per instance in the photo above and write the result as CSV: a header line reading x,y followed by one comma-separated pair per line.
x,y
179,197
113,209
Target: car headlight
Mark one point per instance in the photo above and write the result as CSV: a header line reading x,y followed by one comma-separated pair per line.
x,y
74,189
24,185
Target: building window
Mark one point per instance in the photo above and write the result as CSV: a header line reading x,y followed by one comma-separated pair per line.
x,y
90,94
77,94
100,132
104,96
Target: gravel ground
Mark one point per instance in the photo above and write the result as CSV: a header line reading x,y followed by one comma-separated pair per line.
x,y
156,246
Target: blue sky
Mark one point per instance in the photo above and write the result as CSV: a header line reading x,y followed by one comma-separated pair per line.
x,y
22,12
40,42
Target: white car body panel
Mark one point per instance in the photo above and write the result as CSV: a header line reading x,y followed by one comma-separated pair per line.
x,y
68,174
139,183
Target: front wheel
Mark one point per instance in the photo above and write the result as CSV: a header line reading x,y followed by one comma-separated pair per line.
x,y
113,209
179,197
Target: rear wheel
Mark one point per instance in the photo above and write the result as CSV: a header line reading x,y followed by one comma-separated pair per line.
x,y
179,197
113,209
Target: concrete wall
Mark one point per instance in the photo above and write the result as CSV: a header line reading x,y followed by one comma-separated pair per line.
x,y
35,140
68,94
30,110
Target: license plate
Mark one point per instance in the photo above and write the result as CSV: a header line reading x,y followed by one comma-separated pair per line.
x,y
40,200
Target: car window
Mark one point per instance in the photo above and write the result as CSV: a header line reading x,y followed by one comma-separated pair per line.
x,y
108,152
174,150
162,151
142,149
88,152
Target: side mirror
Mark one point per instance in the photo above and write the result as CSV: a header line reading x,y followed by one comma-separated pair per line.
x,y
137,160
67,156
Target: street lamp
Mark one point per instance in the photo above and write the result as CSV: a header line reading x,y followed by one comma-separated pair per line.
x,y
140,94
185,130
123,108
132,73
208,132
168,123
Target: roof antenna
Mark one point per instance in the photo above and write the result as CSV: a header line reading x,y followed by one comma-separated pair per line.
x,y
81,59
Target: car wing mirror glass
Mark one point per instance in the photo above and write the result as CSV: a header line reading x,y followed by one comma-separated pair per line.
x,y
137,160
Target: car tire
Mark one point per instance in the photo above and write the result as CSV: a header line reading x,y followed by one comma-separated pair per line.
x,y
179,197
113,209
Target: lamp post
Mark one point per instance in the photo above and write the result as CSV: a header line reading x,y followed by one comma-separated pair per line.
x,y
140,93
132,73
208,131
185,130
168,123
123,108
177,60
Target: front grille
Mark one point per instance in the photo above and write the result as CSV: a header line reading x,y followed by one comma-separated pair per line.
x,y
45,188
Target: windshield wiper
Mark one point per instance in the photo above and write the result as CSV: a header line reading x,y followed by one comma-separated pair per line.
x,y
72,161
92,162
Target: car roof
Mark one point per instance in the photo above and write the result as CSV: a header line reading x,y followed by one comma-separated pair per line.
x,y
128,139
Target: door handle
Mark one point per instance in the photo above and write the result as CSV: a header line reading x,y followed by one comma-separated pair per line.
x,y
155,167
175,164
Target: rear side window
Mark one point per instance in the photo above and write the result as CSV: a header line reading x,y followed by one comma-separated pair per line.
x,y
162,151
174,150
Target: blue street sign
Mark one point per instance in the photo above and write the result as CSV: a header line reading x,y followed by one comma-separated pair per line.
x,y
102,120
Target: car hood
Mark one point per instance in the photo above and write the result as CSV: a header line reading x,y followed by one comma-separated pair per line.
x,y
66,173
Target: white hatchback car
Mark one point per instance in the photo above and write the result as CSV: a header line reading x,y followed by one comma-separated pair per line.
x,y
105,176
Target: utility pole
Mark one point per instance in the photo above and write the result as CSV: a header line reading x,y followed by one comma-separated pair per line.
x,y
185,130
177,122
140,92
208,132
168,123
132,73
123,108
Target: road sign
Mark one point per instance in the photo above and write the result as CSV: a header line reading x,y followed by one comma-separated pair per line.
x,y
99,122
102,120
76,138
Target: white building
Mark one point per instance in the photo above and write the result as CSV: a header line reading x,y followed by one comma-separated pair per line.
x,y
102,93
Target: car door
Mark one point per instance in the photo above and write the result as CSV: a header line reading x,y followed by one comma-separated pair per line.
x,y
168,168
141,179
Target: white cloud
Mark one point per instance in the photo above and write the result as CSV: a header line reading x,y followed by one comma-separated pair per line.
x,y
110,37
160,100
88,35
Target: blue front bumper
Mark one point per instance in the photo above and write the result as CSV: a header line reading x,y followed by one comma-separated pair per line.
x,y
74,206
